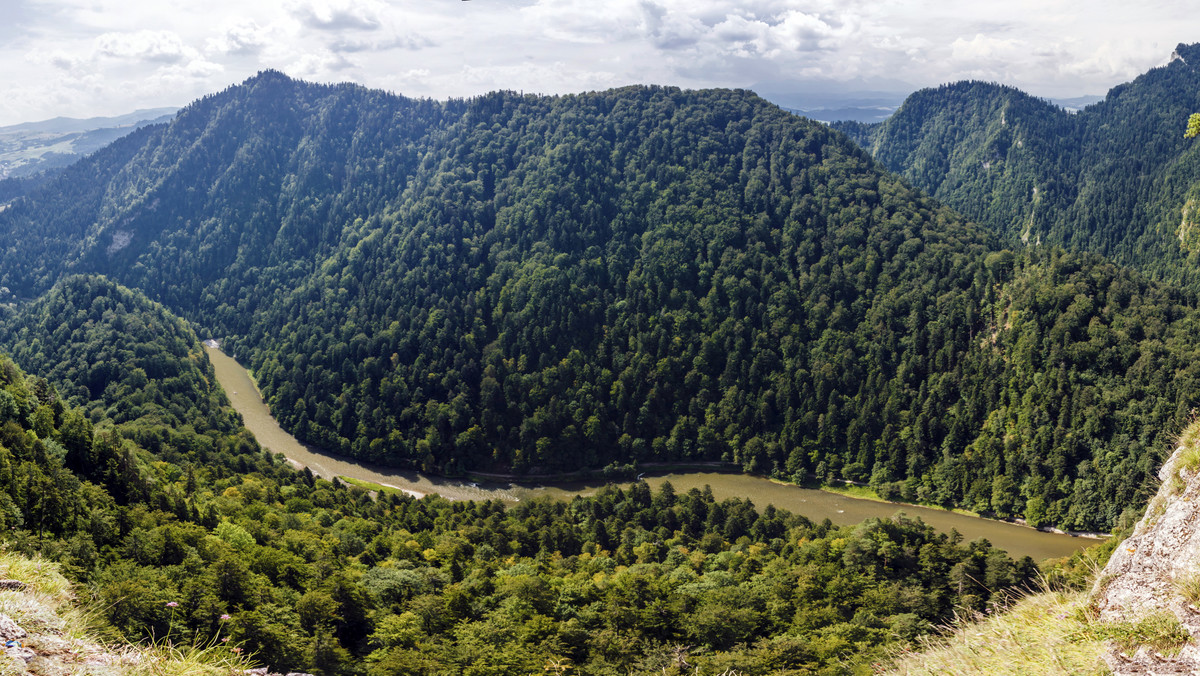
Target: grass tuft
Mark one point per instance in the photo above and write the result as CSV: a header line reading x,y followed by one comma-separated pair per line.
x,y
1160,632
1189,458
1188,587
173,660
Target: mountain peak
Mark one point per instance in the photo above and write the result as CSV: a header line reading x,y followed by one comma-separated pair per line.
x,y
270,75
1188,54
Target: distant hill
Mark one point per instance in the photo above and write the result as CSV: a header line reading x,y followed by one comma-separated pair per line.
x,y
866,114
1116,177
1076,103
108,348
33,147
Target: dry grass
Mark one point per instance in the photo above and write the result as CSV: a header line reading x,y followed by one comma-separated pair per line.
x,y
1044,633
64,639
1188,587
1189,439
1049,632
187,661
1161,633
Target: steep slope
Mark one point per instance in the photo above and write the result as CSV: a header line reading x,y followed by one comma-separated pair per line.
x,y
1140,615
990,151
1116,178
1155,572
529,284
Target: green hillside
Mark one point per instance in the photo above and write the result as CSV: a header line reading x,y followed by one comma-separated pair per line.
x,y
117,355
1116,178
540,284
187,539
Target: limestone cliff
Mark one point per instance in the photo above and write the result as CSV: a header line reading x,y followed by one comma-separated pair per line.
x,y
1156,571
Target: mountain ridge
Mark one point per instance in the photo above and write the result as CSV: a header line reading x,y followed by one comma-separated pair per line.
x,y
45,146
1113,178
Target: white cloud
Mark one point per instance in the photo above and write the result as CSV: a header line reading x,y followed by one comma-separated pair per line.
x,y
590,22
85,57
808,32
1111,59
195,69
983,49
60,59
318,65
338,14
145,45
242,37
355,44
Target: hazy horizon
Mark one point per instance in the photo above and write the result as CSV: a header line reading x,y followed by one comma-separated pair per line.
x,y
97,58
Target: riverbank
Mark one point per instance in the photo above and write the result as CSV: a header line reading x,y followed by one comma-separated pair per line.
x,y
724,481
381,488
862,492
605,473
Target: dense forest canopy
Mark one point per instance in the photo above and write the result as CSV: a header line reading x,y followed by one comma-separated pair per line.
x,y
189,533
111,351
538,284
1116,178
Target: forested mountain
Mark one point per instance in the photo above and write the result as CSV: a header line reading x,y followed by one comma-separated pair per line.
x,y
1116,178
190,538
536,284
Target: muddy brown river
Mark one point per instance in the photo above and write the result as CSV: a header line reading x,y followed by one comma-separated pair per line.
x,y
815,504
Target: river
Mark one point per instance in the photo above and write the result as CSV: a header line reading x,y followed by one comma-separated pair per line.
x,y
815,504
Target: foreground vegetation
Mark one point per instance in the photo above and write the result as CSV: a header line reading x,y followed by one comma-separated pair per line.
x,y
1045,633
61,635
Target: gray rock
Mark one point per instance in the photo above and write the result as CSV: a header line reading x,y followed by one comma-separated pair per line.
x,y
19,653
1143,576
10,630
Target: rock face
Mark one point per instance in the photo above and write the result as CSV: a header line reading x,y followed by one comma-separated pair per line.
x,y
1147,572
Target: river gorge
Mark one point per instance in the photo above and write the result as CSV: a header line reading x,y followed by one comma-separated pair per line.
x,y
815,504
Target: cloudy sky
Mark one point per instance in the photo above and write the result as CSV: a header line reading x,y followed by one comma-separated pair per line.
x,y
83,58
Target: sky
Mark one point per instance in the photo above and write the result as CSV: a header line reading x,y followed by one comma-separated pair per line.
x,y
85,58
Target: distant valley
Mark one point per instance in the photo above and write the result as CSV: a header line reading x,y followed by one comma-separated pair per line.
x,y
30,148
545,284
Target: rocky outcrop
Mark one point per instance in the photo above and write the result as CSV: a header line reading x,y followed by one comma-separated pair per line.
x,y
43,633
1151,572
36,639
